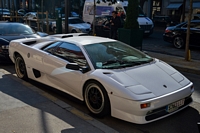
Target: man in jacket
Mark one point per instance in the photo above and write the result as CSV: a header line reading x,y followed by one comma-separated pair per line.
x,y
115,23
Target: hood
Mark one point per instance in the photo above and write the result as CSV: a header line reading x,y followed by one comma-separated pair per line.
x,y
157,79
144,21
80,26
21,36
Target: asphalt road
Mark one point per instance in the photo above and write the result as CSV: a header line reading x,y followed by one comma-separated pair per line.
x,y
182,122
155,43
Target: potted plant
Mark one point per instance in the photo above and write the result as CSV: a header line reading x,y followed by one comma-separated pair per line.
x,y
131,34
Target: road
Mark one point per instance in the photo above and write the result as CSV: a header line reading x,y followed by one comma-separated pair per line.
x,y
155,43
182,122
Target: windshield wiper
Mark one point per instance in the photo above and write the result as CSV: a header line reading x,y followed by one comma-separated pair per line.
x,y
111,62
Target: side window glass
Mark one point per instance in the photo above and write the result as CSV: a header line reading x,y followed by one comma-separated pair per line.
x,y
197,26
50,48
71,53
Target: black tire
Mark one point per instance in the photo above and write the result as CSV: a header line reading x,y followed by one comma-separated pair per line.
x,y
96,99
20,68
178,42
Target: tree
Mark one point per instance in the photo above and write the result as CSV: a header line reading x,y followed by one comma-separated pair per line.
x,y
132,15
187,51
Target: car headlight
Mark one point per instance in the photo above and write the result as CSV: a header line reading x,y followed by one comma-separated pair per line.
x,y
5,46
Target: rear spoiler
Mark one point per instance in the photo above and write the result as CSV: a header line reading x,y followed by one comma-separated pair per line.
x,y
68,35
32,41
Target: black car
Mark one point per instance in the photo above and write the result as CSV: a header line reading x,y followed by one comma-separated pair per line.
x,y
10,31
177,34
102,26
163,21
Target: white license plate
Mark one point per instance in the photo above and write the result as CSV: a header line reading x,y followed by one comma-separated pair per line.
x,y
147,31
174,106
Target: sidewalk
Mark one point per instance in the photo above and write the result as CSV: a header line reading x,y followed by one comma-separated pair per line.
x,y
192,66
27,109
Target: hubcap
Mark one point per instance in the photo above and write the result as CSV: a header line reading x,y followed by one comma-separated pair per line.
x,y
178,42
94,98
20,67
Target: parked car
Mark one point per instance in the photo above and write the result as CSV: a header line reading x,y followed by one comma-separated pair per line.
x,y
102,25
21,12
76,25
33,16
196,17
110,76
10,31
4,12
177,34
164,21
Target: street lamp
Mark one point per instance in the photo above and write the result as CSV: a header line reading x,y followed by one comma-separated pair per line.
x,y
66,16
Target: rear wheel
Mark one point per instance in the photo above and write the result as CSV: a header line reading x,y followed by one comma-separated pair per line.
x,y
96,99
20,68
179,42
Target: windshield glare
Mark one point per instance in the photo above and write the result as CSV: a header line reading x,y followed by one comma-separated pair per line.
x,y
113,55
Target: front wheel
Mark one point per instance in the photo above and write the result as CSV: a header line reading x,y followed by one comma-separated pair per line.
x,y
20,68
179,42
96,99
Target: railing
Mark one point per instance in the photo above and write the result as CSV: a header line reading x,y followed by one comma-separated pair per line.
x,y
35,23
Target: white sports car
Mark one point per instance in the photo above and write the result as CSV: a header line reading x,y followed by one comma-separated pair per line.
x,y
110,76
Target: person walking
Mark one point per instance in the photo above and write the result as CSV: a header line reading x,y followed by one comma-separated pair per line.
x,y
115,23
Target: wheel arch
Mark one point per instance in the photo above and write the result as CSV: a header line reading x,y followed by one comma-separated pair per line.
x,y
91,80
15,54
108,98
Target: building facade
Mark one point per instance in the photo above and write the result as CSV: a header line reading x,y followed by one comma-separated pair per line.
x,y
173,8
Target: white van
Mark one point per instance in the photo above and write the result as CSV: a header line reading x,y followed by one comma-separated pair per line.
x,y
145,22
101,9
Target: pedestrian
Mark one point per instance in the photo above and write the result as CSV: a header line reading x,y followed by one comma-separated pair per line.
x,y
115,23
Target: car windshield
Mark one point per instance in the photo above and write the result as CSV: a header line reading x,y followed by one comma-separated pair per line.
x,y
75,21
14,28
115,55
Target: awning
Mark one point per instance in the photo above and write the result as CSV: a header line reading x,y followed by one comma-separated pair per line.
x,y
196,5
174,6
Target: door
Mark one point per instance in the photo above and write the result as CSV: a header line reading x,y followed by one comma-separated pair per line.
x,y
59,76
195,34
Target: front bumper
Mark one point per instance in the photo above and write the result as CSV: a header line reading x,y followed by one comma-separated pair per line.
x,y
4,54
130,110
167,38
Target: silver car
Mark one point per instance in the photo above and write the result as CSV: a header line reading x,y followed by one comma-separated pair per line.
x,y
76,25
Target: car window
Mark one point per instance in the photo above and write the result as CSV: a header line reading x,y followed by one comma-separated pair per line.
x,y
51,47
192,25
71,53
75,21
109,55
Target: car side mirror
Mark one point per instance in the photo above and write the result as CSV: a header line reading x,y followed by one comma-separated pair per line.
x,y
75,66
72,66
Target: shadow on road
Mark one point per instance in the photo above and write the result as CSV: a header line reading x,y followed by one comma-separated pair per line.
x,y
23,109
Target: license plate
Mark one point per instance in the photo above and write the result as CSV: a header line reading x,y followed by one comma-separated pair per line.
x,y
174,106
147,31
